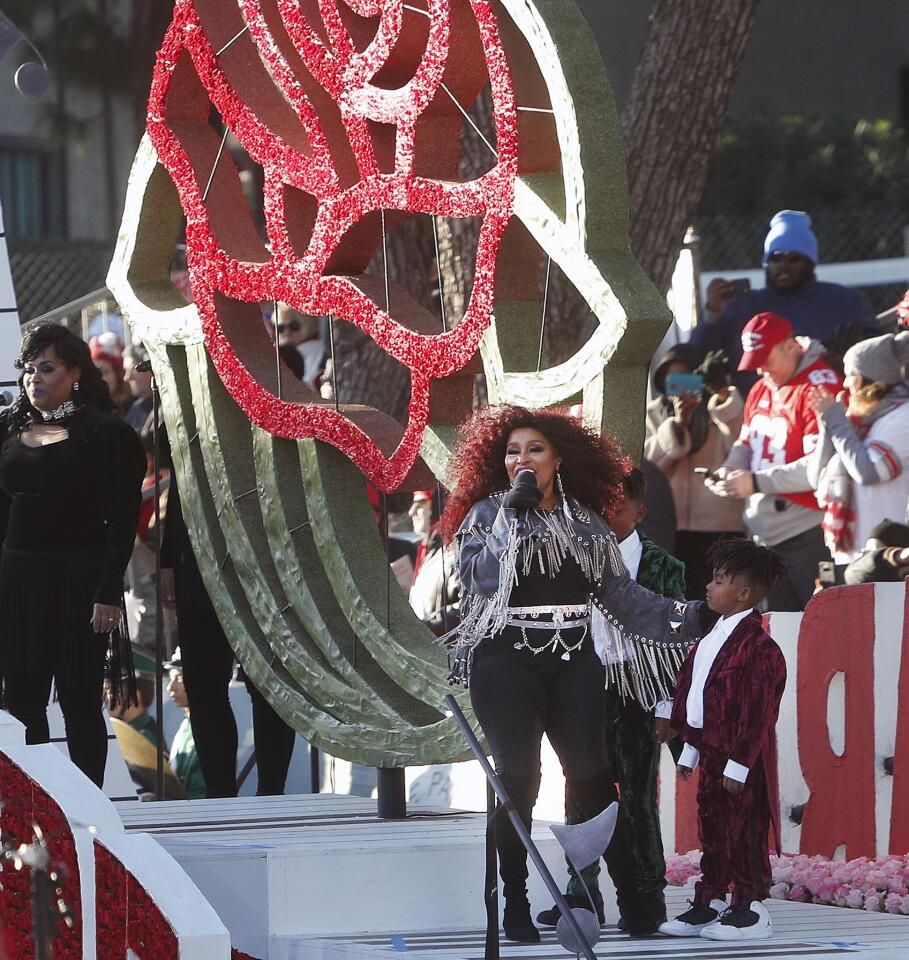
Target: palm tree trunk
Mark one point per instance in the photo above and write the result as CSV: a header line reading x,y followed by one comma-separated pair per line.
x,y
673,118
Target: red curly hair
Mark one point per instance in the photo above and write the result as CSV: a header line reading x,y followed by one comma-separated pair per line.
x,y
592,468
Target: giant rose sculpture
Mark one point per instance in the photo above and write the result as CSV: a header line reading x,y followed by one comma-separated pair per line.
x,y
354,114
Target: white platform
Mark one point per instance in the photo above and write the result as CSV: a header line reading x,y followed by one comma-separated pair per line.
x,y
800,930
320,877
325,865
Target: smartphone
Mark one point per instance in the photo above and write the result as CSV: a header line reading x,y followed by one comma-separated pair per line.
x,y
738,287
679,383
706,474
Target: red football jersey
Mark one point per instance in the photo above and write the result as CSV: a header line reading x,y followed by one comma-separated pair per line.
x,y
779,425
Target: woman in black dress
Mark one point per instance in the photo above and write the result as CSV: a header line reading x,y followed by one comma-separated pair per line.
x,y
540,573
71,471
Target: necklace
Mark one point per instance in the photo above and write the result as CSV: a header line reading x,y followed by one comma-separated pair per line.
x,y
59,414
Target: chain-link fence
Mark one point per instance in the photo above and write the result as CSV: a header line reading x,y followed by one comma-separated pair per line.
x,y
729,242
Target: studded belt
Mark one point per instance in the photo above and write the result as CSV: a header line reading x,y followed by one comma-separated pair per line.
x,y
557,618
565,614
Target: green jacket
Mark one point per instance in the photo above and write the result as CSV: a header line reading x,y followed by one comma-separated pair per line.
x,y
660,572
145,724
185,762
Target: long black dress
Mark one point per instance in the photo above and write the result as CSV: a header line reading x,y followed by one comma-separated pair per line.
x,y
73,509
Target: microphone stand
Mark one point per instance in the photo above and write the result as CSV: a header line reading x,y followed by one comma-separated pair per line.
x,y
47,905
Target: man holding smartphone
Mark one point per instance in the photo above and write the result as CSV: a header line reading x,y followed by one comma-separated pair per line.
x,y
767,466
814,308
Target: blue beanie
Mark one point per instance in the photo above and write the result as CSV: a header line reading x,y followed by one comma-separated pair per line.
x,y
790,232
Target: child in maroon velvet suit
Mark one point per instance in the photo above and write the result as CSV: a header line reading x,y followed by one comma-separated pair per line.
x,y
726,704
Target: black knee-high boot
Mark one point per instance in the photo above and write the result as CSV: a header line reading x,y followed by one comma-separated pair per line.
x,y
513,860
592,795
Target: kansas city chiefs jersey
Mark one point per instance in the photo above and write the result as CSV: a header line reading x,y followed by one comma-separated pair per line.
x,y
780,427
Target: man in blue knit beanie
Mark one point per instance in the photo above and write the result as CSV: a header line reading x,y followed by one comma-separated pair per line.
x,y
790,232
815,309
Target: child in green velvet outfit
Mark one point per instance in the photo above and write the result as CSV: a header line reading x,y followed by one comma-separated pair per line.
x,y
631,733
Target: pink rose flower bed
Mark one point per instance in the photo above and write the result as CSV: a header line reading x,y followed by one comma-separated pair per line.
x,y
880,884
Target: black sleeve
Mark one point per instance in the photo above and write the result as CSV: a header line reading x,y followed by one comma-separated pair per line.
x,y
123,466
639,613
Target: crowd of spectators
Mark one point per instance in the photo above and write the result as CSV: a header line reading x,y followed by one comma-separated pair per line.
x,y
793,427
785,417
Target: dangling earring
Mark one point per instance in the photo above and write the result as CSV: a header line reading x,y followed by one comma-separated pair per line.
x,y
76,387
561,487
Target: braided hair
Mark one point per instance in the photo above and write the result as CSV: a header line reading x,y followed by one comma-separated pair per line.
x,y
739,557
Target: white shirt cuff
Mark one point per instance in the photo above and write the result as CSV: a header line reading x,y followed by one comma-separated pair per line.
x,y
689,756
663,710
735,771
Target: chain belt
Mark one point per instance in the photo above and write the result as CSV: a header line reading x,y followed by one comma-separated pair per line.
x,y
563,617
558,612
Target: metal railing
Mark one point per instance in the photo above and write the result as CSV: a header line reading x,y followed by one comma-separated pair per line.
x,y
79,315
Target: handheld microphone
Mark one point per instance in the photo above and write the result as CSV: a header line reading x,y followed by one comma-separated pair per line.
x,y
526,481
524,495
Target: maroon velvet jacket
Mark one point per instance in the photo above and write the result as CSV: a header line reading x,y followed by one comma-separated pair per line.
x,y
741,702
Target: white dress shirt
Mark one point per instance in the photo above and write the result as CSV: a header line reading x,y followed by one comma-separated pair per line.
x,y
631,549
704,656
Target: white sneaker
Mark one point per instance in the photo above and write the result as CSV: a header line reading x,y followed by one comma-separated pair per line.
x,y
693,921
742,923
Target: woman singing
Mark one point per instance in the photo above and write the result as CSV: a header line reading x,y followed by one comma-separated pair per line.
x,y
72,472
538,564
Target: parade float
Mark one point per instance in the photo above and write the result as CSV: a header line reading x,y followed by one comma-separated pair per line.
x,y
353,116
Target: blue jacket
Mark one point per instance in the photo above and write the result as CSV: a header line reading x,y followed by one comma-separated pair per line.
x,y
814,310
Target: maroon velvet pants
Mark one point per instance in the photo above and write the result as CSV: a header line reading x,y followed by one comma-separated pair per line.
x,y
734,834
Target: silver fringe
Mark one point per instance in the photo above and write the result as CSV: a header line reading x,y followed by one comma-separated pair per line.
x,y
483,617
638,668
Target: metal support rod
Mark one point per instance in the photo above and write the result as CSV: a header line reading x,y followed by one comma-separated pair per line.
x,y
315,770
274,323
334,362
214,166
159,612
387,561
518,824
392,799
543,313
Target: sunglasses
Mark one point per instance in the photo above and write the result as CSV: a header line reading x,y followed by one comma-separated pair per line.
x,y
293,325
781,256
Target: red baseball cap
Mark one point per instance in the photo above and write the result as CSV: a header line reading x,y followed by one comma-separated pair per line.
x,y
761,334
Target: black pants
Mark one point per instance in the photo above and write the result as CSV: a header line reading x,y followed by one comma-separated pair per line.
x,y
208,663
274,745
801,553
80,700
517,697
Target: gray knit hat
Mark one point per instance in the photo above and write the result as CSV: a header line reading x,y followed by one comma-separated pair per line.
x,y
880,358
